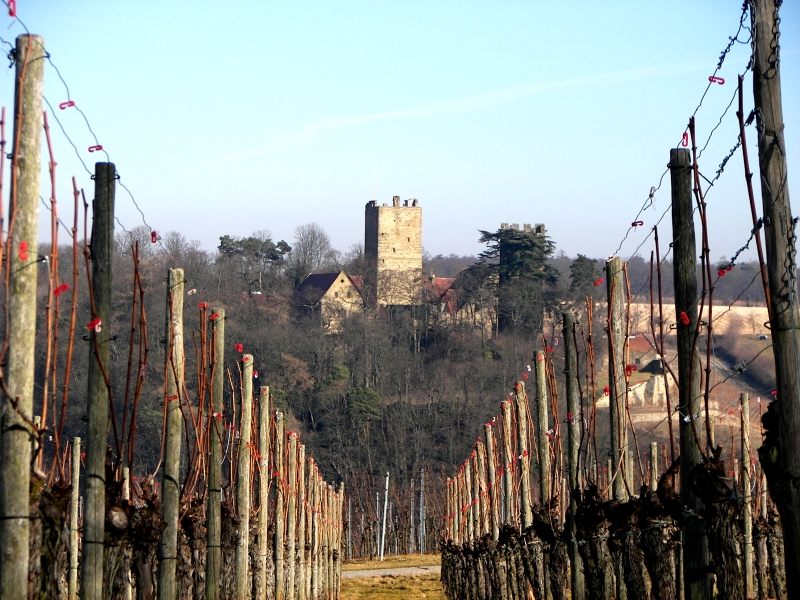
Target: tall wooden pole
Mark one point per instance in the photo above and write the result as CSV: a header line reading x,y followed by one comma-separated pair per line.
x,y
385,508
263,492
214,507
510,514
170,482
15,423
525,462
695,542
291,516
99,369
617,383
243,481
653,466
313,495
782,467
280,504
494,496
542,422
574,425
747,545
72,579
302,572
422,512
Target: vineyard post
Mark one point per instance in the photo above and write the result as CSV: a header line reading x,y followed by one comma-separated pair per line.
x,y
477,526
127,581
574,439
616,375
302,569
508,464
747,546
15,430
525,460
339,515
783,471
411,520
214,507
99,369
313,580
280,500
695,542
170,482
349,529
422,512
72,580
653,466
542,421
260,593
243,481
291,513
493,495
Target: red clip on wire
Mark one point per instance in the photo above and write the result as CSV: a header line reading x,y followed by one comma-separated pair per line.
x,y
214,316
606,390
715,79
95,324
12,8
202,304
239,348
685,140
721,272
685,318
637,223
598,281
525,375
65,105
23,250
153,237
60,289
95,148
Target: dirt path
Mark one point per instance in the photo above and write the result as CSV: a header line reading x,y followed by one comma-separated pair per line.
x,y
392,572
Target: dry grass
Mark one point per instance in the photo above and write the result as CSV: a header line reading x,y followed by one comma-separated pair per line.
x,y
392,588
409,560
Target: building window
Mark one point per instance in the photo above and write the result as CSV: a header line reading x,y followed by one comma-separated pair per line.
x,y
349,294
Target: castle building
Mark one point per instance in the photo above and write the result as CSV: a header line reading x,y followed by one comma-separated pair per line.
x,y
393,252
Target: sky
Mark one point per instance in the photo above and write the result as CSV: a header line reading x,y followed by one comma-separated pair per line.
x,y
228,117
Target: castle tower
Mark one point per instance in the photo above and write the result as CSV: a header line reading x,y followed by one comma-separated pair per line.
x,y
393,251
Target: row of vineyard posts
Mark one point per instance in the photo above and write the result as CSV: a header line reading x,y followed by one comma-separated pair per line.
x,y
693,525
270,528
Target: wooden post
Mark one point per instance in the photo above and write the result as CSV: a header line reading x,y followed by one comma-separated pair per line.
x,y
422,512
653,466
301,532
263,492
99,370
127,590
542,422
695,542
493,495
615,283
214,506
747,546
15,429
291,516
280,503
329,506
313,486
525,462
310,540
574,425
170,481
72,580
483,490
783,472
338,521
243,481
508,465
476,495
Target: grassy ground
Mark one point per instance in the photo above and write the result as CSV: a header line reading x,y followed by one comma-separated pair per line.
x,y
409,560
393,588
412,587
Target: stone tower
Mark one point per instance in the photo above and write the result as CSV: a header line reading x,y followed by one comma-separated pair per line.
x,y
393,251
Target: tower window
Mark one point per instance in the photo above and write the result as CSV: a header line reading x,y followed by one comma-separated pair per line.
x,y
409,239
335,294
394,249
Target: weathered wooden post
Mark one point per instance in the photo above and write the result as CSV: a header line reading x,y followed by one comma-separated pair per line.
x,y
291,516
313,495
99,374
617,383
494,498
526,509
280,503
263,493
542,421
780,228
72,580
214,506
469,497
695,542
243,481
573,440
422,512
653,466
310,540
385,508
15,430
338,521
302,573
747,546
508,465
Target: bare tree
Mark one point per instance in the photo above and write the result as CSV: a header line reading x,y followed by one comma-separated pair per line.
x,y
311,251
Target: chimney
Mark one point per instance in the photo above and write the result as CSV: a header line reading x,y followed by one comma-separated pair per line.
x,y
395,200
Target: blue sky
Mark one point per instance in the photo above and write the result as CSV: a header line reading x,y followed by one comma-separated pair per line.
x,y
228,117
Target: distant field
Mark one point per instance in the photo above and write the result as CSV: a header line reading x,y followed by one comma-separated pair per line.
x,y
408,560
392,587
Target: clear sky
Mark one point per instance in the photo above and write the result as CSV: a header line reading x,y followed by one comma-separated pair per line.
x,y
228,117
